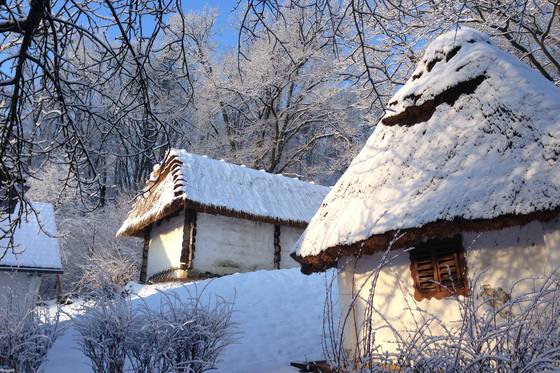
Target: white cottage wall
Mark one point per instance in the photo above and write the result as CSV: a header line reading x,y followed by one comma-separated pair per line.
x,y
288,238
20,287
497,258
226,245
166,240
223,245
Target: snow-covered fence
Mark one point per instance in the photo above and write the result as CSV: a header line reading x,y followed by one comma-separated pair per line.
x,y
26,335
181,335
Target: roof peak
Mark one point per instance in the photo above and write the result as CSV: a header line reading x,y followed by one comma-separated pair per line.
x,y
454,64
460,35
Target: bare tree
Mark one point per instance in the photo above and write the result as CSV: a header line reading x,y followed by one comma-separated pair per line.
x,y
286,110
80,83
385,37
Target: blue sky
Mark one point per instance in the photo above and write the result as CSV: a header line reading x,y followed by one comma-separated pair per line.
x,y
226,22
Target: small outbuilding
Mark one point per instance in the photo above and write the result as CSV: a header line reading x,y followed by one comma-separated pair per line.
x,y
35,253
460,179
202,217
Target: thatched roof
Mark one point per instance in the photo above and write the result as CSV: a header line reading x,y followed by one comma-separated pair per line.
x,y
36,247
471,142
186,180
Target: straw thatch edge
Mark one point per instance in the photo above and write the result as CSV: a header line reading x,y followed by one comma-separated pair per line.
x,y
398,239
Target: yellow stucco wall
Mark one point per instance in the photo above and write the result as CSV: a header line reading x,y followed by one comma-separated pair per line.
x,y
497,258
166,240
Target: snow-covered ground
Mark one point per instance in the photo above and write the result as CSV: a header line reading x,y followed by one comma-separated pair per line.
x,y
278,315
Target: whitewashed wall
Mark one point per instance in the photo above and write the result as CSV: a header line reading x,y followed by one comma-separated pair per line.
x,y
511,254
226,245
288,238
166,240
19,286
223,245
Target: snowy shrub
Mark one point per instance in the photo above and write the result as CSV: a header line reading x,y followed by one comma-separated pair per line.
x,y
147,345
496,332
87,238
196,333
105,273
26,335
181,335
104,331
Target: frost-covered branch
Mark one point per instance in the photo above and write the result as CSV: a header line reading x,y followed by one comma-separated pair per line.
x,y
26,333
71,95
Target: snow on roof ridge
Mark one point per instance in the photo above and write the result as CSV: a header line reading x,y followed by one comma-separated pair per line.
x,y
473,134
458,58
179,152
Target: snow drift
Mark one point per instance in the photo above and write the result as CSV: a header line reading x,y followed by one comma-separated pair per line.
x,y
278,315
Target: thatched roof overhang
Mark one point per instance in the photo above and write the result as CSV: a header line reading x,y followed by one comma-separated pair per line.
x,y
398,239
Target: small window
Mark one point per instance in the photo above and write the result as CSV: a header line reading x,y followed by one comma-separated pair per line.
x,y
438,268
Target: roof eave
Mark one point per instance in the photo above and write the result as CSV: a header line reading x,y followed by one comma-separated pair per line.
x,y
402,238
29,269
138,229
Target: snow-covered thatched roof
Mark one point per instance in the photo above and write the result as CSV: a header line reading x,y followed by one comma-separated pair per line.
x,y
186,180
36,247
471,142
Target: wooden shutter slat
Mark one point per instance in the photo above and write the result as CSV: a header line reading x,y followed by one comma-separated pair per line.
x,y
425,265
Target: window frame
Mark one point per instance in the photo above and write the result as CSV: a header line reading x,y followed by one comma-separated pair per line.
x,y
436,248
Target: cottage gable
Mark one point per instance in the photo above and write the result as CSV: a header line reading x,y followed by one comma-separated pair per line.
x,y
471,142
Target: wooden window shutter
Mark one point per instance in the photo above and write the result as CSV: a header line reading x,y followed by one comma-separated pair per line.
x,y
438,268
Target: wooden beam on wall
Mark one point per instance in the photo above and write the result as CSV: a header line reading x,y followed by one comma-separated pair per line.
x,y
145,249
277,247
189,239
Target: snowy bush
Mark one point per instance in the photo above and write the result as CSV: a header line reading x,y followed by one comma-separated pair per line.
x,y
494,333
105,273
195,333
104,331
147,345
26,335
181,335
